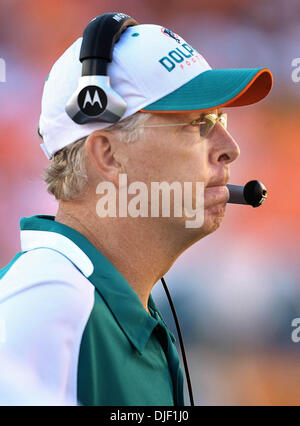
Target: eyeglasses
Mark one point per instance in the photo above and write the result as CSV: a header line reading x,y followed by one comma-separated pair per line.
x,y
205,121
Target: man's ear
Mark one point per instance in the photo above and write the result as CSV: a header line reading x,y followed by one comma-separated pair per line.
x,y
100,154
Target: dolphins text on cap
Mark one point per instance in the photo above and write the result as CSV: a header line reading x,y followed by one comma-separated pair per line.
x,y
177,56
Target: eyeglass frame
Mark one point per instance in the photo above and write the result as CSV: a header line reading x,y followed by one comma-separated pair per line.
x,y
213,117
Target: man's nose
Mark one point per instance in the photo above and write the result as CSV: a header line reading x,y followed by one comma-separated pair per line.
x,y
223,146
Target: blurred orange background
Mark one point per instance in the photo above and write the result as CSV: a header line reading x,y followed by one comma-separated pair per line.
x,y
237,291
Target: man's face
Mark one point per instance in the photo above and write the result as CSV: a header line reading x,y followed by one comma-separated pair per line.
x,y
179,153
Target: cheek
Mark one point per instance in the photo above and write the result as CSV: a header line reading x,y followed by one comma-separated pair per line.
x,y
193,163
149,161
167,159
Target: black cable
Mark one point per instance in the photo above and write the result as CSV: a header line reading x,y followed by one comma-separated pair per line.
x,y
180,341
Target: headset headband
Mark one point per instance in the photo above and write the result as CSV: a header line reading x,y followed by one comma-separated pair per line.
x,y
99,38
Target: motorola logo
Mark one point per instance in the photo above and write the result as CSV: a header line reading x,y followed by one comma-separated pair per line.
x,y
92,100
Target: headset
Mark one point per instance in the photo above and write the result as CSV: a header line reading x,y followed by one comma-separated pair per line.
x,y
95,100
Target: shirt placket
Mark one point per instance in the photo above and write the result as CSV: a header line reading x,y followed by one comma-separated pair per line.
x,y
173,361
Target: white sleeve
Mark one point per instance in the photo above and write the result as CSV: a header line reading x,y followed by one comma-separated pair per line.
x,y
42,326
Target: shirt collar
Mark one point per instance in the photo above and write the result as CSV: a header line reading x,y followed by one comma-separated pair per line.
x,y
137,324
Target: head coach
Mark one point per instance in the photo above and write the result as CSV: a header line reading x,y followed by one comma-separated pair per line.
x,y
76,299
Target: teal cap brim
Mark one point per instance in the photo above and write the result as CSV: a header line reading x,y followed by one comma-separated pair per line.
x,y
217,88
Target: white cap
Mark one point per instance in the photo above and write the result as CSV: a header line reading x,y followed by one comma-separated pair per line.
x,y
149,63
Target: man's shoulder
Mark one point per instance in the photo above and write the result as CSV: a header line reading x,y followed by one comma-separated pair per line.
x,y
45,306
41,266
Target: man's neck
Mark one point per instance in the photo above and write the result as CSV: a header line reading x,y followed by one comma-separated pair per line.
x,y
140,251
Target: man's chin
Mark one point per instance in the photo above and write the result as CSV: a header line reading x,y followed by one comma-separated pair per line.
x,y
213,217
212,220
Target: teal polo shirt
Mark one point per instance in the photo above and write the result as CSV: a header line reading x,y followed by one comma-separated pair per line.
x,y
96,343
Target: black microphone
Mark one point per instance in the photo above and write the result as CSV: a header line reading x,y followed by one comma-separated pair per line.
x,y
254,193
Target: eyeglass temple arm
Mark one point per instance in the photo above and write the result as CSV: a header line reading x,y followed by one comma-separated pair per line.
x,y
167,125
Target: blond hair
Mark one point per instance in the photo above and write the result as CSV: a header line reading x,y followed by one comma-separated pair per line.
x,y
66,176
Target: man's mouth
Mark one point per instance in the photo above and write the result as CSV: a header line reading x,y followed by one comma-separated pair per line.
x,y
216,194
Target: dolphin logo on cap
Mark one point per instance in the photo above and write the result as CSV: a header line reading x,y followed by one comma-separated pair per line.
x,y
171,34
